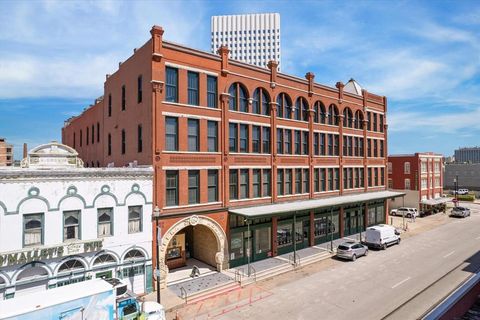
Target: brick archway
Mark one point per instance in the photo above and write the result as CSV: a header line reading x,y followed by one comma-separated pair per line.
x,y
194,220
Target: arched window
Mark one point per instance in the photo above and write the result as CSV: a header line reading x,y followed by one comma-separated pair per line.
x,y
284,106
333,115
358,119
320,112
301,109
347,118
238,97
134,255
260,102
104,259
71,265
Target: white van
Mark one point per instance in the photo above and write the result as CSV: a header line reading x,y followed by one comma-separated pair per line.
x,y
407,212
381,236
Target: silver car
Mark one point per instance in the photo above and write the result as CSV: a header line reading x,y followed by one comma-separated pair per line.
x,y
351,250
461,212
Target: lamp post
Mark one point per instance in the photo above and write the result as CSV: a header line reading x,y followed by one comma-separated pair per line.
x,y
156,216
455,180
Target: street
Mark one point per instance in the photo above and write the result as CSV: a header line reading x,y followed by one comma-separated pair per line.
x,y
374,286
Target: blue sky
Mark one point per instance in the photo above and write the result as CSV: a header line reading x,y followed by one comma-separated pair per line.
x,y
423,55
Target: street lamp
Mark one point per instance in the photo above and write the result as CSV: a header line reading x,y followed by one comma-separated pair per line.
x,y
156,216
455,181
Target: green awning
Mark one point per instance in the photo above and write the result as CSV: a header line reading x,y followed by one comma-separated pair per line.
x,y
304,205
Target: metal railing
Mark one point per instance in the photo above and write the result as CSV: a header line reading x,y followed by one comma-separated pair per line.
x,y
254,273
184,294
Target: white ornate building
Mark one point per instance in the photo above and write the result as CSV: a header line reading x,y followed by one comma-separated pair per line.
x,y
61,223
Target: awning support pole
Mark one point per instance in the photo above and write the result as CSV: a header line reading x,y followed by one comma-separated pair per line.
x,y
331,229
294,238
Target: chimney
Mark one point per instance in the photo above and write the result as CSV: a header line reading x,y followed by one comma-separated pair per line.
x,y
25,153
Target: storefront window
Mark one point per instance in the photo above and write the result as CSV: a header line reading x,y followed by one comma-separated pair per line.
x,y
371,215
284,234
380,214
236,246
263,240
325,224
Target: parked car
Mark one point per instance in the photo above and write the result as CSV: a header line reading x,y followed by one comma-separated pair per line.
x,y
381,236
407,212
351,250
461,212
393,212
462,191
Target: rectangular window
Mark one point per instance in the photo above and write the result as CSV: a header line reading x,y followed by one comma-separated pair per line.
x,y
323,179
288,141
266,139
362,184
171,134
322,144
279,141
124,98
369,173
212,136
336,139
256,139
298,180
375,122
330,179
381,122
369,121
193,186
193,135
232,138
139,138
375,177
306,181
315,143
280,186
86,136
98,132
171,94
350,177
193,88
266,178
381,149
316,181
369,148
357,177
350,146
32,229
139,89
244,184
74,140
361,151
305,142
345,178
71,225
93,134
336,178
233,181
124,145
356,151
171,192
298,145
407,184
288,181
211,91
345,148
135,219
105,222
243,137
256,183
109,105
375,148
382,176
109,144
212,185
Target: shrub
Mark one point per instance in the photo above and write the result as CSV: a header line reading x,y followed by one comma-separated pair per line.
x,y
466,197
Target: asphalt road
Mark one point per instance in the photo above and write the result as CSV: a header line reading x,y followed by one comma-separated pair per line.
x,y
373,286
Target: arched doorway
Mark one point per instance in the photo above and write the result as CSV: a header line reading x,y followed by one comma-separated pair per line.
x,y
196,237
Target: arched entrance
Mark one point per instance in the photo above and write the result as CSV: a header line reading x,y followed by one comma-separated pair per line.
x,y
204,237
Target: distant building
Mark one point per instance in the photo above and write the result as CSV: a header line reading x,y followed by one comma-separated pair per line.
x,y
251,38
61,223
471,155
420,176
6,153
467,174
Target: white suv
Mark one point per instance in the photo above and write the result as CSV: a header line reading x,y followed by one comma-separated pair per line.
x,y
407,212
462,191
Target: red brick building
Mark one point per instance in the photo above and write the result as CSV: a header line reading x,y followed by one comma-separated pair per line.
x,y
420,176
244,157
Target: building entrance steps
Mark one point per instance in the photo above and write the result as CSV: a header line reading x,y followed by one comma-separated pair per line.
x,y
183,274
